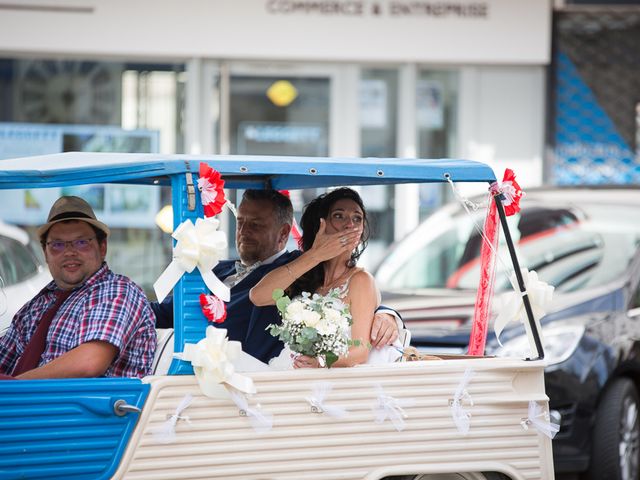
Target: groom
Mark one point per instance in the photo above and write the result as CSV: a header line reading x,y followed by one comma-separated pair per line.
x,y
262,230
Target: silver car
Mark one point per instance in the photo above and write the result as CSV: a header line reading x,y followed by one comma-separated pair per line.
x,y
22,272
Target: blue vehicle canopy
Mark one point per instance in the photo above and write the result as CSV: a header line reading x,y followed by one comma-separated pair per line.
x,y
278,172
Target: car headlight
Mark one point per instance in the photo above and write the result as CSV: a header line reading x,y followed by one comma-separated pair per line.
x,y
559,342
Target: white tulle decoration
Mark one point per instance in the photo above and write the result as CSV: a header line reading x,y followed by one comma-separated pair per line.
x,y
261,421
318,404
166,433
461,416
391,408
539,419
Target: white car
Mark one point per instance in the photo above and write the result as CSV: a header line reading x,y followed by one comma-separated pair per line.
x,y
22,272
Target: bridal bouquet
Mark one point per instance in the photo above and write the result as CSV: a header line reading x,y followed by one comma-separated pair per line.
x,y
313,325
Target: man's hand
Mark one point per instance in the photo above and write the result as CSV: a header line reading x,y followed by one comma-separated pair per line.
x,y
384,330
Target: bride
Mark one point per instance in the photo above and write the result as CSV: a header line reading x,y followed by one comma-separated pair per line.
x,y
335,233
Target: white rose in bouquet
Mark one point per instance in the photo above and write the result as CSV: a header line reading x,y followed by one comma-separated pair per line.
x,y
310,318
294,312
331,315
326,327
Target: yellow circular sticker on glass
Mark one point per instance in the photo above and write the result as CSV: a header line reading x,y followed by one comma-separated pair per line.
x,y
282,93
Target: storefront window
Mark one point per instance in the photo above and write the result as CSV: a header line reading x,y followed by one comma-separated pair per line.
x,y
436,123
279,115
58,105
378,103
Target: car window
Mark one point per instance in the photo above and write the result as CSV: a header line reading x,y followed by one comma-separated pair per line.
x,y
569,247
16,261
432,265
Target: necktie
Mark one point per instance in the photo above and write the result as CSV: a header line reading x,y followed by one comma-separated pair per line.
x,y
241,272
33,351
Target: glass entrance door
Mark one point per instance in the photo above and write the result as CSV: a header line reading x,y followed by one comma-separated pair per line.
x,y
286,112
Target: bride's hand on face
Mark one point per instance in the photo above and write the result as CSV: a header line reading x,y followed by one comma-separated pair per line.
x,y
304,361
330,245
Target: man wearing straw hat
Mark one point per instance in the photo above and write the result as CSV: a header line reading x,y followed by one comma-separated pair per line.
x,y
87,322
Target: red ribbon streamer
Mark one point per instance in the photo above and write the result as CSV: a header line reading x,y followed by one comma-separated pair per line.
x,y
482,309
509,193
295,229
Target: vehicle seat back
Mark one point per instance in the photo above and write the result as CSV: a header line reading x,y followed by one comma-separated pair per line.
x,y
404,335
164,351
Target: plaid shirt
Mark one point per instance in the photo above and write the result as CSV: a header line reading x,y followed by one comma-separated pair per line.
x,y
107,307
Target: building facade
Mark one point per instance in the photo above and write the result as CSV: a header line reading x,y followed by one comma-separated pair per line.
x,y
385,78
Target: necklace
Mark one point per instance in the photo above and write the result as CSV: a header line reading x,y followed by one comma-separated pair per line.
x,y
336,281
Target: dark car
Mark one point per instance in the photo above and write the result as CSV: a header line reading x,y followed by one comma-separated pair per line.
x,y
586,243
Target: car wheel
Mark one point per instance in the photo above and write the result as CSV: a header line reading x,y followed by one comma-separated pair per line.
x,y
616,435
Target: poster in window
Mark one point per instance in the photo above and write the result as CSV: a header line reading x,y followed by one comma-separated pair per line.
x,y
373,104
430,104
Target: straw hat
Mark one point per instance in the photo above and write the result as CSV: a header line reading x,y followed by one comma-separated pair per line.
x,y
71,208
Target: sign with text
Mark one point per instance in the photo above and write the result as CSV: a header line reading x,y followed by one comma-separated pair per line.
x,y
273,138
116,205
450,31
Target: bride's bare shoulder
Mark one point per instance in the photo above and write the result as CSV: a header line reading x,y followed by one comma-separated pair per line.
x,y
362,279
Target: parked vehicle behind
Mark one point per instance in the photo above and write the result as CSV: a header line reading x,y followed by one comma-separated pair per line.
x,y
585,242
22,271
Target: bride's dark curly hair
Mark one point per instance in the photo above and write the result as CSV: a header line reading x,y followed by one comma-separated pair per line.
x,y
310,224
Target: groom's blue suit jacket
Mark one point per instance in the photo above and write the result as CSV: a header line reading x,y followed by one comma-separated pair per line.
x,y
245,322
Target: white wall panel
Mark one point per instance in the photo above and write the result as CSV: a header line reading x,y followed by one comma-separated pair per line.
x,y
461,31
502,119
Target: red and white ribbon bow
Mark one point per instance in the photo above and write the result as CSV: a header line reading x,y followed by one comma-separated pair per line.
x,y
511,193
213,308
211,186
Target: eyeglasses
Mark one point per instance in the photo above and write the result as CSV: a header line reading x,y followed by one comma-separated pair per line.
x,y
81,245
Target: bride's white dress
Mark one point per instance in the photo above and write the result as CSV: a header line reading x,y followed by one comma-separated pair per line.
x,y
385,354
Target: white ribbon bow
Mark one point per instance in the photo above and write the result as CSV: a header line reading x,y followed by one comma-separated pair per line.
x,y
261,421
540,295
391,408
461,417
539,418
166,433
201,245
212,359
320,392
